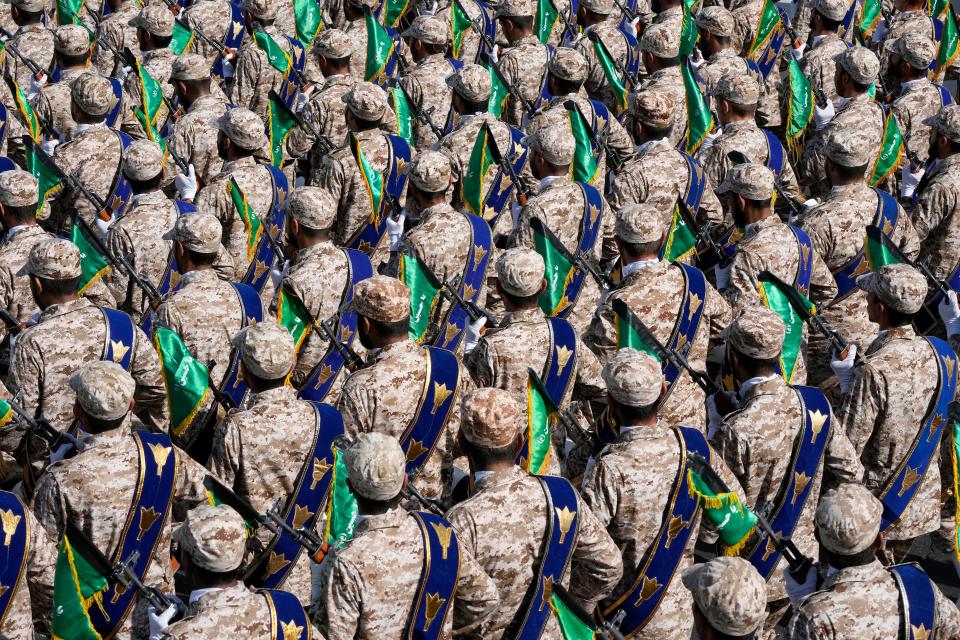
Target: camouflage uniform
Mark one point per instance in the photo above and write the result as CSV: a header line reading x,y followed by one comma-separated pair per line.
x,y
15,295
935,214
426,83
818,63
158,63
670,82
34,41
31,605
730,595
609,33
53,103
722,63
194,137
917,99
256,77
236,609
118,31
213,18
523,63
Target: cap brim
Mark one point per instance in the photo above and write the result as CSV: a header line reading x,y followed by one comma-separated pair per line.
x,y
690,575
867,282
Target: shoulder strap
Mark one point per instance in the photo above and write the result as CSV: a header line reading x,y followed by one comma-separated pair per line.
x,y
589,233
695,183
886,217
234,36
121,191
689,316
251,312
561,363
264,256
501,187
474,276
440,390
918,602
805,260
438,578
114,113
288,620
118,342
16,544
775,153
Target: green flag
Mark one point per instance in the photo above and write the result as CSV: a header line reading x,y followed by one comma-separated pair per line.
x,y
68,10
424,294
341,506
558,269
6,413
949,42
401,107
869,16
380,47
151,130
614,81
48,182
935,8
186,379
472,185
181,40
460,23
733,521
891,150
307,20
541,414
774,298
627,337
766,25
498,91
680,242
585,167
699,118
26,110
278,58
151,95
544,20
394,10
280,121
571,626
93,264
688,32
876,247
293,316
372,179
77,586
800,103
251,221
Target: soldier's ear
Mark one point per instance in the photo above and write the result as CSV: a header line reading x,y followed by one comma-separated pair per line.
x,y
543,285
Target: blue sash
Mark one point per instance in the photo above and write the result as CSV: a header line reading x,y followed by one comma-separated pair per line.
x,y
487,17
937,25
171,276
305,502
805,261
918,599
695,184
3,123
16,548
438,579
233,38
728,242
589,233
440,391
688,320
903,484
114,114
368,236
321,379
775,153
562,526
120,336
808,451
886,219
291,83
121,191
287,618
502,186
258,272
251,311
660,560
945,98
474,275
633,50
767,60
143,527
6,164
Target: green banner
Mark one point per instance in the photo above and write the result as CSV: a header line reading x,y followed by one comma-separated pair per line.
x,y
540,416
181,40
307,20
778,302
394,11
572,627
460,23
401,107
47,181
688,32
26,110
558,269
498,92
93,264
68,10
280,121
372,179
472,184
799,104
699,118
732,520
186,379
251,221
424,294
585,167
151,95
949,42
293,316
869,16
891,150
341,506
878,255
544,20
614,81
276,56
380,47
766,25
6,413
680,242
77,586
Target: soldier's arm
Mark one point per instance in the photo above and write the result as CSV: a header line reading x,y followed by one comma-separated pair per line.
x,y
823,286
151,394
189,491
719,313
730,449
628,188
477,599
589,384
619,140
601,335
300,140
247,75
597,564
806,625
788,179
742,291
353,409
606,249
40,572
710,208
118,282
48,505
841,464
905,235
948,617
934,204
337,613
25,371
225,458
601,491
862,406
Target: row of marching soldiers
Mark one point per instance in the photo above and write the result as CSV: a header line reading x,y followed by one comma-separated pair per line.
x,y
474,321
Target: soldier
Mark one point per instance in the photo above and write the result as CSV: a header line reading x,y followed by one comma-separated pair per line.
x,y
918,98
836,229
32,39
366,585
524,62
103,486
778,433
72,55
72,332
259,452
935,216
256,74
885,404
527,339
194,136
912,17
117,29
860,597
661,294
29,573
154,26
211,542
602,18
426,84
505,523
728,599
567,207
387,396
660,47
716,33
632,489
356,29
819,61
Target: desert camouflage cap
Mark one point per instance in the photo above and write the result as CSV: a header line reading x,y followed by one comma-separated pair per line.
x,y
333,44
34,6
312,207
71,40
53,259
717,20
430,171
916,49
515,8
848,519
757,332
472,83
266,350
553,143
730,593
262,9
947,122
429,29
104,389
367,101
599,7
899,286
155,19
860,63
750,180
214,537
634,378
200,232
363,3
654,107
848,147
643,222
662,40
739,88
190,66
568,64
376,466
520,272
491,418
831,9
93,94
382,299
18,189
244,128
142,160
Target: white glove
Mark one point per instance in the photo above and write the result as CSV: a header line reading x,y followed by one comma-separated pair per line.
x,y
879,31
301,101
797,52
227,68
822,117
696,59
844,368
395,229
709,139
723,275
123,73
909,180
103,226
187,184
49,146
797,591
159,622
472,334
36,86
277,275
950,313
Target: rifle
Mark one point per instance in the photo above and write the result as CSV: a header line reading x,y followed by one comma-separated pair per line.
x,y
703,236
219,396
581,260
45,126
594,37
663,353
41,427
420,115
625,10
568,26
570,422
449,291
738,157
6,37
512,87
181,163
506,166
615,160
410,492
121,574
328,144
12,325
874,233
216,45
608,630
351,359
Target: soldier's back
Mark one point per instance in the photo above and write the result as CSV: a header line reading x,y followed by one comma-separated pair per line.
x,y
213,18
916,103
609,33
525,63
194,136
93,157
937,221
255,76
426,84
35,42
15,292
53,103
234,612
819,63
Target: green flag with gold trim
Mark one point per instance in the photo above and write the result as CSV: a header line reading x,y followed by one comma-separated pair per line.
x,y
472,190
585,167
251,221
799,104
277,56
733,521
460,23
181,40
307,19
424,294
541,414
774,298
293,316
186,379
699,118
77,586
380,47
93,264
614,81
949,42
766,25
891,150
280,122
341,507
544,20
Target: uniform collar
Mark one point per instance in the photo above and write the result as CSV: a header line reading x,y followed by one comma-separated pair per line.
x,y
404,346
872,572
530,39
199,275
645,432
492,479
233,165
723,54
913,85
392,519
548,181
60,309
732,127
150,197
320,247
633,267
442,209
285,393
204,102
844,190
889,335
754,228
25,230
760,385
526,315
